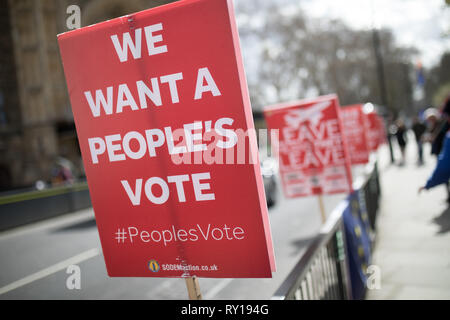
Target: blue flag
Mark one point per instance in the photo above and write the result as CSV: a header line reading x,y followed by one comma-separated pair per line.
x,y
358,245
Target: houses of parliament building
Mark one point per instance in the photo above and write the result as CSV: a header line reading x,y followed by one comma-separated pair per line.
x,y
36,121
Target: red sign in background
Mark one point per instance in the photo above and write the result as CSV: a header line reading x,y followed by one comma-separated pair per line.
x,y
312,152
355,133
374,130
382,135
146,90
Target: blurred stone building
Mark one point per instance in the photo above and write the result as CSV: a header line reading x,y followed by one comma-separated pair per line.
x,y
36,121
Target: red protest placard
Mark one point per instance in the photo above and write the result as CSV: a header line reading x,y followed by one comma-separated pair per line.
x,y
355,133
159,97
312,152
372,127
382,135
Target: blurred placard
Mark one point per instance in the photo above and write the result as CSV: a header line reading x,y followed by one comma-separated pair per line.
x,y
312,152
355,133
374,129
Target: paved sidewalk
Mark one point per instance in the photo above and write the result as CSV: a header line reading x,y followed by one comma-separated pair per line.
x,y
413,233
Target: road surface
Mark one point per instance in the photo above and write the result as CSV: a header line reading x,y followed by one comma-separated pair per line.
x,y
34,259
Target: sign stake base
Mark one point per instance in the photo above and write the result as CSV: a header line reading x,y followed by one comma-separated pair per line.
x,y
193,288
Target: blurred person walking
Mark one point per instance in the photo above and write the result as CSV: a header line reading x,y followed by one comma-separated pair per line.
x,y
419,129
436,130
62,172
441,173
400,134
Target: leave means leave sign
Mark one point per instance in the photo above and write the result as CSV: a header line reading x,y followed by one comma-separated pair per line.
x,y
312,151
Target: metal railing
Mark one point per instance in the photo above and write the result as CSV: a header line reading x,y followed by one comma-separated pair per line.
x,y
21,208
322,273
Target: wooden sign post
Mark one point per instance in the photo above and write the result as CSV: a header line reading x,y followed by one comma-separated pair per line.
x,y
193,288
323,214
